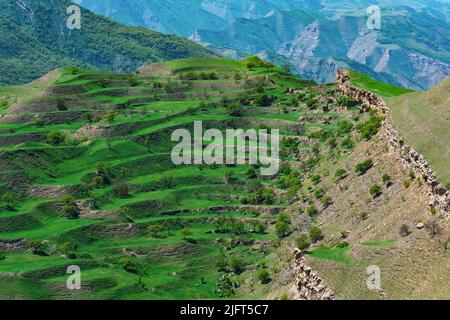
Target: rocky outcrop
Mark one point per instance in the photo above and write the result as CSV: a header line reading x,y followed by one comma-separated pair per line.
x,y
401,150
16,245
369,100
307,284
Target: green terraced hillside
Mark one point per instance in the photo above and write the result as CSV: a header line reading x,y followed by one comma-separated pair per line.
x,y
87,179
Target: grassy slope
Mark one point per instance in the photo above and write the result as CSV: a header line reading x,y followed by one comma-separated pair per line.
x,y
169,266
382,89
423,120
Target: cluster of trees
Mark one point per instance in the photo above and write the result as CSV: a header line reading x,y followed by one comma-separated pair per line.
x,y
70,208
283,225
256,62
261,195
234,264
371,127
305,240
55,137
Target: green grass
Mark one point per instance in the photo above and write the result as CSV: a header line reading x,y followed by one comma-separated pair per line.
x,y
170,265
382,89
333,254
386,243
422,119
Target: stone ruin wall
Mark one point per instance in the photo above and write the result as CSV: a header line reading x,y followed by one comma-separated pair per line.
x,y
402,150
307,284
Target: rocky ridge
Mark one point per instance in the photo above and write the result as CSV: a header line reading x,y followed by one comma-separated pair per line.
x,y
398,146
307,284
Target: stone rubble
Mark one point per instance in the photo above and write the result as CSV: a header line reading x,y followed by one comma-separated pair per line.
x,y
307,284
402,151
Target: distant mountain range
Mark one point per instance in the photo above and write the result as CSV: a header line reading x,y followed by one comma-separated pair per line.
x,y
412,48
34,40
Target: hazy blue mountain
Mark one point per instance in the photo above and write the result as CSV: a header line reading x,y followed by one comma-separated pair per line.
x,y
412,48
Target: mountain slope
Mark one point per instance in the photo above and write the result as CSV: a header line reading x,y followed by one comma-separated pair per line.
x,y
35,40
317,46
316,37
423,119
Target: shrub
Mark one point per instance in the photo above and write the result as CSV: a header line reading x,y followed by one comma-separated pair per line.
x,y
386,179
363,167
39,122
37,247
129,265
67,247
167,181
237,265
312,210
229,176
283,216
122,189
70,208
340,173
370,127
110,116
407,183
234,110
263,100
347,143
332,142
186,233
281,229
315,179
375,190
251,173
259,227
60,104
155,230
55,137
342,244
8,198
345,127
302,242
315,234
319,193
326,201
404,230
264,276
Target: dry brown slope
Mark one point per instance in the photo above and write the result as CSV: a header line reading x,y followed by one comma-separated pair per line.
x,y
423,118
413,267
